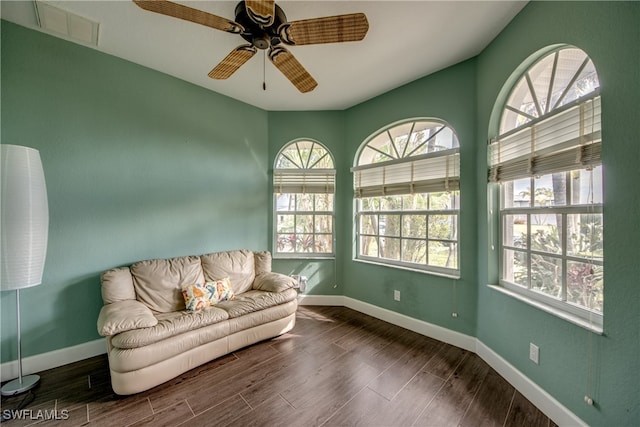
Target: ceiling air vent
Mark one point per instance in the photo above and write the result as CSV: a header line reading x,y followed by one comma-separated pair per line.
x,y
62,23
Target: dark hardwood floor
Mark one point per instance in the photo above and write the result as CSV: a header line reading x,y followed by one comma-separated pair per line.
x,y
337,367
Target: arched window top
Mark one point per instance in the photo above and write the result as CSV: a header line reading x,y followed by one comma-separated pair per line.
x,y
408,139
304,154
559,78
304,166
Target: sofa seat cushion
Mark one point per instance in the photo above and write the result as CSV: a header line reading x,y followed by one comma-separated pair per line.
x,y
254,300
262,317
131,359
169,325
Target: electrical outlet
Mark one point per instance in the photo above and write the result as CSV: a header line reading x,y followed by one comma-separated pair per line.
x,y
534,353
396,295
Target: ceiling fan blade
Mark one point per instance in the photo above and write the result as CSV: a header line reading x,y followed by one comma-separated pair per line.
x,y
292,69
234,60
261,11
187,13
330,29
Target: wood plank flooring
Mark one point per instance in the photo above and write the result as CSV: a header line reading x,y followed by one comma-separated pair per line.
x,y
337,367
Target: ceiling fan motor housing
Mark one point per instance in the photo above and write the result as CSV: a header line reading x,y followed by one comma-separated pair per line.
x,y
258,35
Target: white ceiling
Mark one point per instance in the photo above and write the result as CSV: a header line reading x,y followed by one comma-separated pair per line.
x,y
406,40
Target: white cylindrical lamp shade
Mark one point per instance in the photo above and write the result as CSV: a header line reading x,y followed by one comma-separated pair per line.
x,y
24,217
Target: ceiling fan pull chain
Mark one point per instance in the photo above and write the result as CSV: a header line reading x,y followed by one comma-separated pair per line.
x,y
264,70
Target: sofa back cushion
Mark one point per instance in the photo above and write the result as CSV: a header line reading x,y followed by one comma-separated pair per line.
x,y
158,283
238,266
263,262
117,285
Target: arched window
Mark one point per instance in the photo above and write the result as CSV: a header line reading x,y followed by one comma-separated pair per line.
x,y
547,161
303,187
407,190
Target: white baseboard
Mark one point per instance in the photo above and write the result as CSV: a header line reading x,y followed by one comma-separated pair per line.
x,y
532,391
420,326
53,359
337,300
539,397
457,339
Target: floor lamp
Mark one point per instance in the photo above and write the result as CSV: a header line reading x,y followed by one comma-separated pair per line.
x,y
24,233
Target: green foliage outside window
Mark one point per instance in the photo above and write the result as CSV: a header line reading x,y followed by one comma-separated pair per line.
x,y
417,229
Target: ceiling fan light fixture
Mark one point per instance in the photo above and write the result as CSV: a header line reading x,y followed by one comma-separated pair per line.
x,y
261,41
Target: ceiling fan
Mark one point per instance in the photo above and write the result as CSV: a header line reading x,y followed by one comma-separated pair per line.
x,y
264,25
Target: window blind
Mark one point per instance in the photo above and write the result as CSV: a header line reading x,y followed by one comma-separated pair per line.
x,y
567,140
304,180
427,173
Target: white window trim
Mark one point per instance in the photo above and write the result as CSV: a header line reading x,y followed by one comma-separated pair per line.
x,y
592,324
407,267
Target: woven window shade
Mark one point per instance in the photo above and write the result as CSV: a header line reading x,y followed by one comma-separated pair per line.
x,y
304,180
567,140
432,172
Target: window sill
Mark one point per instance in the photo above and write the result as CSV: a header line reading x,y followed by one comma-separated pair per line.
x,y
402,267
306,257
571,318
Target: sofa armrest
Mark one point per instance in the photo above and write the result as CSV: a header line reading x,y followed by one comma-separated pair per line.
x,y
273,282
123,316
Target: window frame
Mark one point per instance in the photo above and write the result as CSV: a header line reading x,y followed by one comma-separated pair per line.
x,y
401,158
433,269
528,290
315,174
561,307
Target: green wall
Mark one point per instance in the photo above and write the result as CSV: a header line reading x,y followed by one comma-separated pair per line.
x,y
138,165
449,95
574,362
142,165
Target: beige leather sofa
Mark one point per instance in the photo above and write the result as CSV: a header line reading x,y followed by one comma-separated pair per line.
x,y
152,338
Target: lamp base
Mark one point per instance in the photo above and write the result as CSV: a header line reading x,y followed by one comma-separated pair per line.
x,y
16,387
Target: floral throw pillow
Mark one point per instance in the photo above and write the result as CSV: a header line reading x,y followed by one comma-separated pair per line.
x,y
221,290
196,297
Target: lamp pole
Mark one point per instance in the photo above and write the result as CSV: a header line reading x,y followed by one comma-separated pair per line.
x,y
20,384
